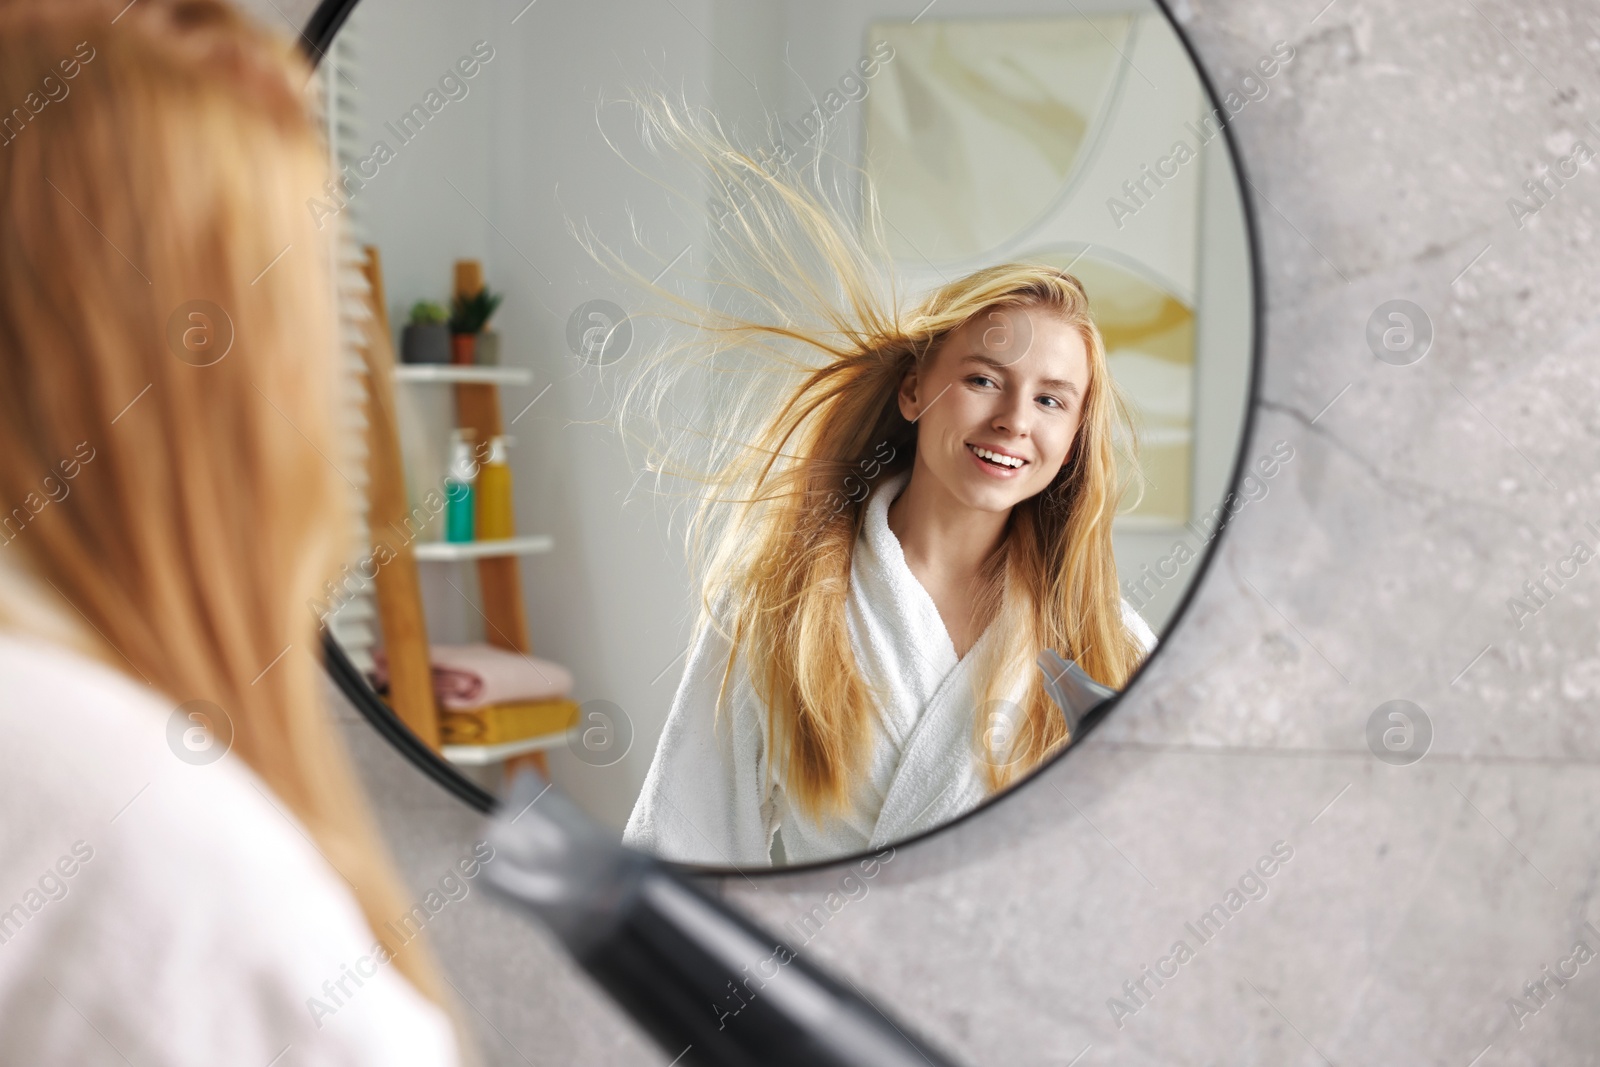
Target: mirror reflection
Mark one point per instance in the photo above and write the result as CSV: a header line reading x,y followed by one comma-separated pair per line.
x,y
784,423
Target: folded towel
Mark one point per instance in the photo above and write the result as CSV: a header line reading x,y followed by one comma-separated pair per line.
x,y
469,676
496,724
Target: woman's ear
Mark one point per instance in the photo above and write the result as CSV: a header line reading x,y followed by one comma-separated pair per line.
x,y
910,408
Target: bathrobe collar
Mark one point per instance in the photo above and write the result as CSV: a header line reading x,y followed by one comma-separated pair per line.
x,y
928,694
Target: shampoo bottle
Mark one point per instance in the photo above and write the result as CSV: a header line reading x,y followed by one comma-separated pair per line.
x,y
494,491
458,494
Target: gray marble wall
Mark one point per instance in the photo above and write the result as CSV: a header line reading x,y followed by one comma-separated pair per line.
x,y
1418,898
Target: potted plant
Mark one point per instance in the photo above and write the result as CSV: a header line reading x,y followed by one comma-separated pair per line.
x,y
426,338
468,316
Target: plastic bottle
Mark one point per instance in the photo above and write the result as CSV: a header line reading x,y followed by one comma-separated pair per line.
x,y
494,492
458,492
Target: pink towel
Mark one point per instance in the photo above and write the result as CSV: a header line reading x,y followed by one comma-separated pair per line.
x,y
469,676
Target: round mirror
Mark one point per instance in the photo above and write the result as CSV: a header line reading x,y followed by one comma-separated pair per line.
x,y
791,426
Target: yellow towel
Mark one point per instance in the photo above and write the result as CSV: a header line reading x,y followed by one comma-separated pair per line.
x,y
497,724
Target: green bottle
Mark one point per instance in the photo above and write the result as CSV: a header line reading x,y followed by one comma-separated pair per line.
x,y
458,503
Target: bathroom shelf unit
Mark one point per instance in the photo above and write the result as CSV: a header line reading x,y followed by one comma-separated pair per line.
x,y
454,374
447,551
398,583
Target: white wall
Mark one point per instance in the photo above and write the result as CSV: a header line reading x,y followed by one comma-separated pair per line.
x,y
610,601
418,222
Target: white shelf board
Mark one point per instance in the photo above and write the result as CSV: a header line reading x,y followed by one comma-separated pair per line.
x,y
447,373
483,755
447,551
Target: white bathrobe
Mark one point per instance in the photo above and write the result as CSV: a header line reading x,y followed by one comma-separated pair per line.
x,y
706,798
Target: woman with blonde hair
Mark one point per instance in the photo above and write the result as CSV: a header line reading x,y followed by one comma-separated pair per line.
x,y
905,507
188,870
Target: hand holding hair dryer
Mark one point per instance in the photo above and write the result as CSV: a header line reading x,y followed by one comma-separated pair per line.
x,y
670,954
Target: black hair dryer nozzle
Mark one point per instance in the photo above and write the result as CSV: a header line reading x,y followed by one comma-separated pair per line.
x,y
1074,692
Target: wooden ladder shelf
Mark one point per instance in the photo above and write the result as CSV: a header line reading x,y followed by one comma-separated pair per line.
x,y
398,583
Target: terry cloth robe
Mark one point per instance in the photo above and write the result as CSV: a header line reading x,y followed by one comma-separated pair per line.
x,y
706,798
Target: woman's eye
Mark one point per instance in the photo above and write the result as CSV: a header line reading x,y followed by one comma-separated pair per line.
x,y
981,379
1050,401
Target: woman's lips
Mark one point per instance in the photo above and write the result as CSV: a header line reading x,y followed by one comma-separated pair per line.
x,y
993,469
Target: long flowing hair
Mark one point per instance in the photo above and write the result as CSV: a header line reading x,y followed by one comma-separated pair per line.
x,y
206,510
804,342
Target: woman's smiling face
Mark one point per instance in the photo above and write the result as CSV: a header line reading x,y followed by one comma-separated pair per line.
x,y
998,405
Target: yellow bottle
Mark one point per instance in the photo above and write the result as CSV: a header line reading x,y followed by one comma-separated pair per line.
x,y
494,492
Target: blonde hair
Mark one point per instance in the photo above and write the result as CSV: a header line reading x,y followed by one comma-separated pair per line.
x,y
175,169
805,376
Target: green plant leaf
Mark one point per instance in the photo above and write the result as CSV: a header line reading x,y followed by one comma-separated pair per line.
x,y
470,314
427,313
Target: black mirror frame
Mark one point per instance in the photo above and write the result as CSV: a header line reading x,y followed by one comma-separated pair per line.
x,y
317,37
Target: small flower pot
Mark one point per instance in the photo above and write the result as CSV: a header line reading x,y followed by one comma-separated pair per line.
x,y
488,354
463,347
426,343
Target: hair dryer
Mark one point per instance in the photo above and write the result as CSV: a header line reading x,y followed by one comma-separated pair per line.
x,y
708,984
1074,692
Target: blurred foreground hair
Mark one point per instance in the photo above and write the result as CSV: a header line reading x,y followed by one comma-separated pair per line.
x,y
171,165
